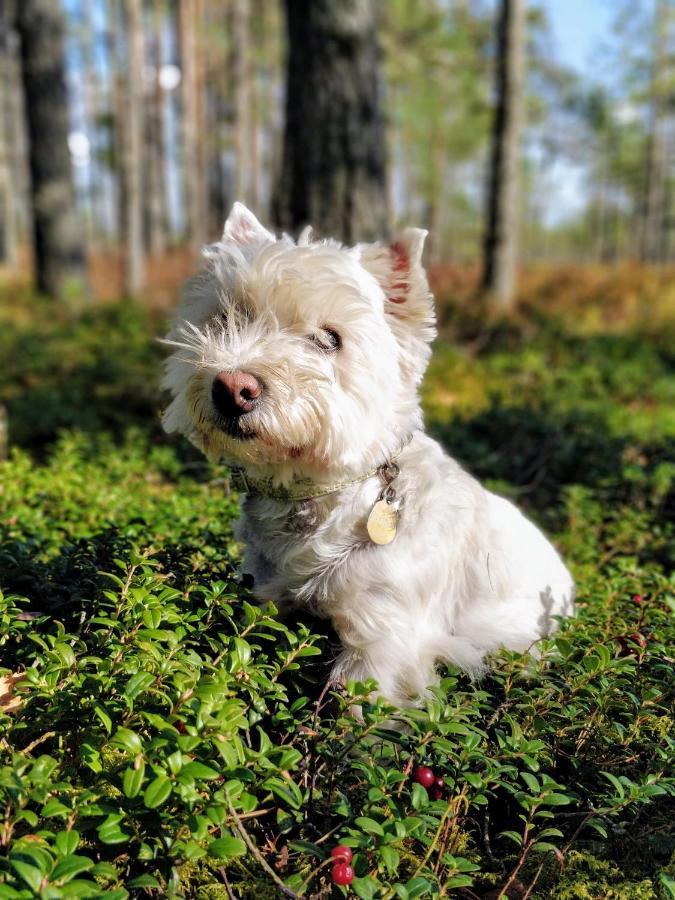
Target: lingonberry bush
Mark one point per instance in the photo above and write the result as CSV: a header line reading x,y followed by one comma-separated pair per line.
x,y
161,735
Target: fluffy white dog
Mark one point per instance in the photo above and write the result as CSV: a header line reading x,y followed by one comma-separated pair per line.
x,y
300,363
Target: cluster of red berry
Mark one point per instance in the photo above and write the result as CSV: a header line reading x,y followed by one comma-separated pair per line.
x,y
342,871
433,783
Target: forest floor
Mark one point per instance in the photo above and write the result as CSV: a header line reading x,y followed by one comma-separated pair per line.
x,y
160,735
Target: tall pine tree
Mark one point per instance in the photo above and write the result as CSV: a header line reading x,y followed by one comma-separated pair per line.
x,y
57,232
333,169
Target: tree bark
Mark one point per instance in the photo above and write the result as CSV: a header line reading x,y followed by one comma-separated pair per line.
x,y
57,231
8,220
156,216
652,243
241,88
503,195
134,271
194,174
333,168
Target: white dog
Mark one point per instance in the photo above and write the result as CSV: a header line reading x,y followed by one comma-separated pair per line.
x,y
300,363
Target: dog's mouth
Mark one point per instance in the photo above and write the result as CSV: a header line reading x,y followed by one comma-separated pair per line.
x,y
232,426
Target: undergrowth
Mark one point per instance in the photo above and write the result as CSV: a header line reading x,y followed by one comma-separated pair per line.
x,y
163,736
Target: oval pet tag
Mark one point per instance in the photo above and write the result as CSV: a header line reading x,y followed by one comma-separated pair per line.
x,y
382,522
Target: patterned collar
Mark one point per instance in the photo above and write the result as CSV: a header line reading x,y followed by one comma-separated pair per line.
x,y
304,488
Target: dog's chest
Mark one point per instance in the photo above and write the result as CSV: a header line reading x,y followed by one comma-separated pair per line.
x,y
294,549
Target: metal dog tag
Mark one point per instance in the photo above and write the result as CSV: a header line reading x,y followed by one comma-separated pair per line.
x,y
382,522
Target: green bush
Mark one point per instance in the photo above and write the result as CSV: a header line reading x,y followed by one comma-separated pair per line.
x,y
169,738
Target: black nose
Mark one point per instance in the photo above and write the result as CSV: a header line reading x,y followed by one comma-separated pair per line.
x,y
235,393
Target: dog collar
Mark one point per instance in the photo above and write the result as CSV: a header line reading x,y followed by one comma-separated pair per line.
x,y
305,488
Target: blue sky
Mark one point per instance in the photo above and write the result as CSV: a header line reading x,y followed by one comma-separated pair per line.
x,y
579,27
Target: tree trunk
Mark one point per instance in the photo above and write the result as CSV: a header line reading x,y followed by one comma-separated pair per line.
x,y
241,88
503,198
134,270
57,234
216,116
333,169
156,216
656,176
8,220
192,117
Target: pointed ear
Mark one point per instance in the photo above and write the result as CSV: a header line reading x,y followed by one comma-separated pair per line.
x,y
406,252
242,227
398,269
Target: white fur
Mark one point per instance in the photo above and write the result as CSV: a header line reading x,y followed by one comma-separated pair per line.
x,y
467,572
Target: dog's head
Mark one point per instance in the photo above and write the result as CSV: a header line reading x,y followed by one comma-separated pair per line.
x,y
304,357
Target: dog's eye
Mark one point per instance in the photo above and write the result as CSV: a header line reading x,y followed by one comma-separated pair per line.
x,y
327,340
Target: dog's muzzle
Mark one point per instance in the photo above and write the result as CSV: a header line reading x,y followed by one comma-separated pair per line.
x,y
234,394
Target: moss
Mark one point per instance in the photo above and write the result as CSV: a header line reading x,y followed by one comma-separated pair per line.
x,y
585,877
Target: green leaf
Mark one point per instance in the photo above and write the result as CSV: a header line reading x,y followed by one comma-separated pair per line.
x,y
132,780
286,790
365,888
70,866
390,858
513,836
30,874
127,740
226,847
545,847
614,781
419,886
457,881
157,792
369,825
530,781
138,683
66,842
103,716
54,807
110,832
200,771
419,797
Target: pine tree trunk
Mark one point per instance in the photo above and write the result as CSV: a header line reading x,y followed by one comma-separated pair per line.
x,y
241,87
333,168
156,214
8,221
57,232
503,197
134,271
194,176
654,206
218,112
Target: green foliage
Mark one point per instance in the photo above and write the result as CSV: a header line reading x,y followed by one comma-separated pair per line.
x,y
172,738
93,369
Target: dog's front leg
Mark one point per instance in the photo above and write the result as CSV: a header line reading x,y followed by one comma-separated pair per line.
x,y
386,661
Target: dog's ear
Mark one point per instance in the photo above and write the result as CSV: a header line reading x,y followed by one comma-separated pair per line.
x,y
398,269
242,227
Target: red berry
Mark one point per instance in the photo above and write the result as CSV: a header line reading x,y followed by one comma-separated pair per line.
x,y
638,638
424,775
341,854
638,598
437,789
343,874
